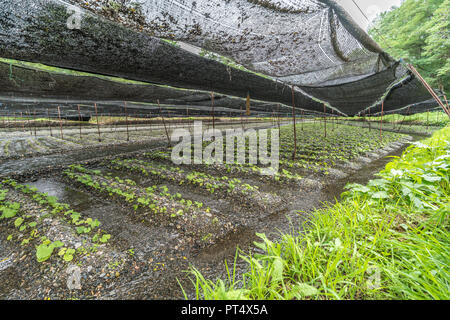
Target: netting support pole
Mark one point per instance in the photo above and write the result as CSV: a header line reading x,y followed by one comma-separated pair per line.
x,y
278,113
98,123
60,123
430,90
28,122
242,121
212,107
325,120
294,128
164,123
49,123
23,122
332,119
126,119
34,122
79,119
381,120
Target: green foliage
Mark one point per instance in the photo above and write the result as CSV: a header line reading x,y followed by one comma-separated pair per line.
x,y
386,240
45,250
418,31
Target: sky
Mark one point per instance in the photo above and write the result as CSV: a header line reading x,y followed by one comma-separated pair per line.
x,y
370,8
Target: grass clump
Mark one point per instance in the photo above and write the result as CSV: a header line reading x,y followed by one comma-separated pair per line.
x,y
385,240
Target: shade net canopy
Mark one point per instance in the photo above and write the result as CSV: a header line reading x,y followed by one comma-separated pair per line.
x,y
305,53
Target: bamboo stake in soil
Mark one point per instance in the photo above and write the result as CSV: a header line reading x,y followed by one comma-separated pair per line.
x,y
21,120
303,118
294,128
381,121
28,122
164,123
49,123
212,106
98,124
34,121
79,119
60,123
242,121
278,113
126,119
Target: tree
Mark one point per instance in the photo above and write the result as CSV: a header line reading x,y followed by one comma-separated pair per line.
x,y
418,31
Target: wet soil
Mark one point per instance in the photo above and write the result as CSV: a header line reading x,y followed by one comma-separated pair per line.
x,y
158,255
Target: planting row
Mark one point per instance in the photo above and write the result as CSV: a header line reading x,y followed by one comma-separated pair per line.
x,y
154,204
223,186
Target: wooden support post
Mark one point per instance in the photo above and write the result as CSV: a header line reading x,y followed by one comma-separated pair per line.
x,y
381,121
430,90
242,121
212,106
34,121
126,119
278,113
21,120
29,123
164,123
303,118
49,123
79,119
98,123
294,128
60,123
325,120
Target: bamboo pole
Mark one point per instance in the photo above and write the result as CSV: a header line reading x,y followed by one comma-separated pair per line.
x,y
430,90
212,106
79,119
60,123
21,120
98,123
34,121
381,120
49,123
294,128
126,119
278,113
164,123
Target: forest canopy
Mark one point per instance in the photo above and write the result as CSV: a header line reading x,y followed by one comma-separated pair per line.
x,y
418,32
